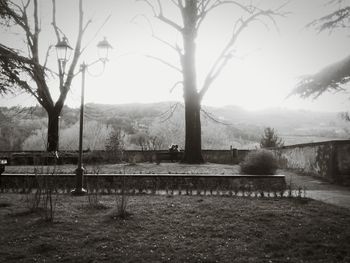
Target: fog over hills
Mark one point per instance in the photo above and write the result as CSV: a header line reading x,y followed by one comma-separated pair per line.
x,y
295,126
25,128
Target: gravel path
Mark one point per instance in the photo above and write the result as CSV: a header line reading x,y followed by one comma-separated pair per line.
x,y
319,189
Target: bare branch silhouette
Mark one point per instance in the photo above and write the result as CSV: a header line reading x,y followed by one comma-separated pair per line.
x,y
165,62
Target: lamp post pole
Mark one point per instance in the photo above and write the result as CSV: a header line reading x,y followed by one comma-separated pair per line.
x,y
79,190
62,49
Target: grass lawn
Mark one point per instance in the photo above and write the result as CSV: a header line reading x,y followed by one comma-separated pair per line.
x,y
144,168
176,229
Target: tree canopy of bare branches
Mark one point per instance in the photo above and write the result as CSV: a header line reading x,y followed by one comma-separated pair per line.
x,y
192,14
25,70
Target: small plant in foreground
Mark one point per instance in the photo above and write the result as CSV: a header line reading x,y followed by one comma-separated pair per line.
x,y
45,195
259,162
122,203
93,195
93,199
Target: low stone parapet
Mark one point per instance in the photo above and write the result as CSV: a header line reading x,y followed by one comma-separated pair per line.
x,y
150,183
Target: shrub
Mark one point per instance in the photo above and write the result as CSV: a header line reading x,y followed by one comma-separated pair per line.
x,y
122,203
259,162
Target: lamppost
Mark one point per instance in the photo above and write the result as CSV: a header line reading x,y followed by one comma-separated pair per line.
x,y
103,51
63,50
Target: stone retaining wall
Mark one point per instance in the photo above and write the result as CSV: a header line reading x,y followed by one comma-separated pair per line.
x,y
329,160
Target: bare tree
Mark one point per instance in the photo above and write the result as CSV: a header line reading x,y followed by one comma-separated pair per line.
x,y
193,13
155,143
140,139
26,71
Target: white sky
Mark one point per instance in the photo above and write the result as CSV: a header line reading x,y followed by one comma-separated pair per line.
x,y
266,70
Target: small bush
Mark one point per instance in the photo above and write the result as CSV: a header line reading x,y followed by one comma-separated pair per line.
x,y
122,203
259,162
44,198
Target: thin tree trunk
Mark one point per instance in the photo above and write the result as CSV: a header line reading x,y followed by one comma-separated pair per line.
x,y
53,131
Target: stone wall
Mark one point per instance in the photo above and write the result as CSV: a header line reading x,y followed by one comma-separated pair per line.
x,y
328,160
232,156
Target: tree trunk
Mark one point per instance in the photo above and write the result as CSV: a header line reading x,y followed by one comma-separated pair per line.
x,y
193,142
53,131
193,139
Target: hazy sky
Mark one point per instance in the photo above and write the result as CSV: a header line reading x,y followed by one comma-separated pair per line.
x,y
266,69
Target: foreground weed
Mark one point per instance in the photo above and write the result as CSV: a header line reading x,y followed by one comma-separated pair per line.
x,y
122,202
93,199
43,198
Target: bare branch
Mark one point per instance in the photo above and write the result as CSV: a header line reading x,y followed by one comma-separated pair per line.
x,y
175,85
34,70
176,3
226,53
174,47
77,51
160,7
35,48
213,118
86,25
169,113
47,55
206,8
57,32
17,17
27,4
150,5
96,34
160,15
165,62
169,22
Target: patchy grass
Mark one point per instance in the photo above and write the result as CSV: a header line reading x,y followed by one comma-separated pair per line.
x,y
139,168
177,229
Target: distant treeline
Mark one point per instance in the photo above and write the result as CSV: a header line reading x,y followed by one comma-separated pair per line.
x,y
155,126
135,128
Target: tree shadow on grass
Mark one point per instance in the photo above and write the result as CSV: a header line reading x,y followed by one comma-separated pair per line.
x,y
91,208
26,212
43,248
116,214
5,204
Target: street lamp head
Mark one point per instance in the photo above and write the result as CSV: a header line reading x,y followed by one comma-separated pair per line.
x,y
103,49
63,50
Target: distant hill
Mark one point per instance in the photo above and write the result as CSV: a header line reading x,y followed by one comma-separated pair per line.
x,y
295,126
24,128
